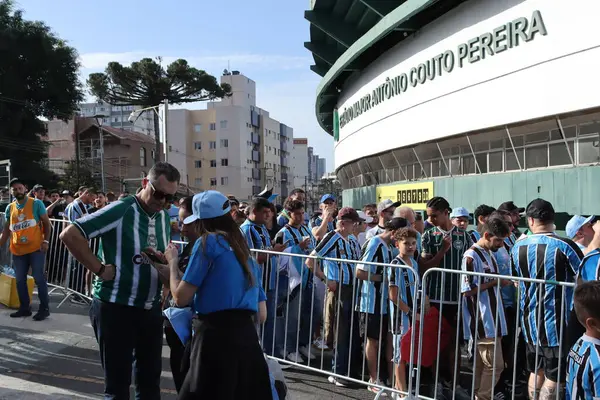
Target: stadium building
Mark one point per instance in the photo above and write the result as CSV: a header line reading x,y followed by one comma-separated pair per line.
x,y
479,101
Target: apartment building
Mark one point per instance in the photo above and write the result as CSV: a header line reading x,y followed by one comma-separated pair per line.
x,y
117,116
233,146
299,168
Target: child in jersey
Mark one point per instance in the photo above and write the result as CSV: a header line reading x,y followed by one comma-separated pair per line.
x,y
402,292
583,374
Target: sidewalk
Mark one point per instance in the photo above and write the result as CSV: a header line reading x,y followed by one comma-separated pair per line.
x,y
58,359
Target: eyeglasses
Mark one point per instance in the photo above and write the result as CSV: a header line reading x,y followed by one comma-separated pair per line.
x,y
160,195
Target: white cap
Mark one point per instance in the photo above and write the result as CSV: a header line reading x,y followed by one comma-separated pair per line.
x,y
364,216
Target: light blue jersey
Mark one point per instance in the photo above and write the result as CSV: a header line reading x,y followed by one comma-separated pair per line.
x,y
589,270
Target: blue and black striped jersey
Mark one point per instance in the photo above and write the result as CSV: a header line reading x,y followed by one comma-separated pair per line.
x,y
583,370
551,258
403,276
334,245
258,238
373,295
589,270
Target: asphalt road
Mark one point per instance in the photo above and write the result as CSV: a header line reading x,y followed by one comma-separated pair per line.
x,y
58,359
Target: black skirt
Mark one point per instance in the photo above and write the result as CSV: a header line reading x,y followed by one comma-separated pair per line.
x,y
224,359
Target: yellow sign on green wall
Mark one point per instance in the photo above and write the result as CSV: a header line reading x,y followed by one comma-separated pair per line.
x,y
413,195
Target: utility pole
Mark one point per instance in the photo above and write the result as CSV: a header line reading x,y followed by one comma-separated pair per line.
x,y
165,120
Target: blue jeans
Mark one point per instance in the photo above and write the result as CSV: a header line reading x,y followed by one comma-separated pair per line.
x,y
36,261
272,338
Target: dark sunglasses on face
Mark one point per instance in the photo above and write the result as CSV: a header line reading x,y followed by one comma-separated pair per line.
x,y
160,195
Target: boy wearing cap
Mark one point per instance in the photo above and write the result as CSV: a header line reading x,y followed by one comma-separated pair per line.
x,y
339,278
385,212
544,255
28,228
460,218
515,214
325,222
579,229
480,215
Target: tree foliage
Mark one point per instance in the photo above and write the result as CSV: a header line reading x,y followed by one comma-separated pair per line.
x,y
38,78
75,176
147,83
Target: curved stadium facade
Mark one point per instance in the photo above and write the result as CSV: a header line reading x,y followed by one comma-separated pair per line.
x,y
479,101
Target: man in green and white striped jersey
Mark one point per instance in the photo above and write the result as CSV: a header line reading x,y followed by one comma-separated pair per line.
x,y
125,312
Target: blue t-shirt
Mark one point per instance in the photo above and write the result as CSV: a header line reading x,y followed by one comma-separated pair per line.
x,y
38,209
220,278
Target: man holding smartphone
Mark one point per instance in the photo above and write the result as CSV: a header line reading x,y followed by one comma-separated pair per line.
x,y
326,222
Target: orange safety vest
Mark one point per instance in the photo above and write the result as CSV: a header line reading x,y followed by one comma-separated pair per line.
x,y
27,234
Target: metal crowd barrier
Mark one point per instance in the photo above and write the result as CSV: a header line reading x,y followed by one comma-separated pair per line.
x,y
303,315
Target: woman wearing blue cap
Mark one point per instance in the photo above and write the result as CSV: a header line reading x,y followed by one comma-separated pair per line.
x,y
226,360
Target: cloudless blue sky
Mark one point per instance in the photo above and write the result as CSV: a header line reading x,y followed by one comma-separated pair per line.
x,y
261,38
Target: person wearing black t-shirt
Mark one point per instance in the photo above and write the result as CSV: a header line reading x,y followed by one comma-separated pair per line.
x,y
57,256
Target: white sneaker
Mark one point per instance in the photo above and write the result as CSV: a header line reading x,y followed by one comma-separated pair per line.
x,y
337,381
398,396
307,352
374,389
295,357
320,344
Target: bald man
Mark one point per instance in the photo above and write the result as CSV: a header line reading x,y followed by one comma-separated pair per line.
x,y
410,215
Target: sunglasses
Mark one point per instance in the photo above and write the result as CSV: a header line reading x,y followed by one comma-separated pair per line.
x,y
160,195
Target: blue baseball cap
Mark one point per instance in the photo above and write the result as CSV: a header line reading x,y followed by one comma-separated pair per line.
x,y
575,224
207,205
459,212
326,197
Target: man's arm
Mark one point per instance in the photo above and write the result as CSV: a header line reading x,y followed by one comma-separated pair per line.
x,y
47,227
78,246
5,234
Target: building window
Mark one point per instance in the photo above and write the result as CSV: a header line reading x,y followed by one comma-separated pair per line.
x,y
224,162
224,143
212,145
197,145
213,163
198,181
153,154
213,182
224,181
223,124
198,128
142,157
213,126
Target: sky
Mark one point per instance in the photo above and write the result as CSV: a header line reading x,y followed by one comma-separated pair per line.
x,y
263,39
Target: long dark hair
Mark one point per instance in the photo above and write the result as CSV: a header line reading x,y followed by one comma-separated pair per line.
x,y
225,226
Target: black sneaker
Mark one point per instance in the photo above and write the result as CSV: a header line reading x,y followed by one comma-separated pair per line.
x,y
21,313
41,315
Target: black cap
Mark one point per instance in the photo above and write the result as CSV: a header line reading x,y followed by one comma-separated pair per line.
x,y
14,181
540,209
66,193
510,207
38,187
396,223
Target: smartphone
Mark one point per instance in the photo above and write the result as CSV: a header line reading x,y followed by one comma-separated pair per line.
x,y
152,256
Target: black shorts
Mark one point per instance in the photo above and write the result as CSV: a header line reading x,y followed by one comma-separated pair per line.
x,y
375,326
548,359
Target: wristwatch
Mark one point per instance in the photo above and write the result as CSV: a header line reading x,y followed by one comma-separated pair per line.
x,y
45,241
100,271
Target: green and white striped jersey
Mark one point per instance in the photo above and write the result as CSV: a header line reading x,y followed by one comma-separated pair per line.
x,y
125,230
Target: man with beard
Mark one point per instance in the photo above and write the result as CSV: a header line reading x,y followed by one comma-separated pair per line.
x,y
28,228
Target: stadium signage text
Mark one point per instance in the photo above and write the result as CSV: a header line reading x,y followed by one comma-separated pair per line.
x,y
504,37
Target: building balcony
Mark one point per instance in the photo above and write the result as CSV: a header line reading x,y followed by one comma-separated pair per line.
x,y
255,119
255,138
256,173
255,156
284,161
283,146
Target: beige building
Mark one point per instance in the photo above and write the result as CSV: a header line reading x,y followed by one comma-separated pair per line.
x,y
233,146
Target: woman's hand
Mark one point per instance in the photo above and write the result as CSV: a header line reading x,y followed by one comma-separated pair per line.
x,y
171,253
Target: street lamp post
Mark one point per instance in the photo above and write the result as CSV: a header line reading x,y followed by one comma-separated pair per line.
x,y
137,113
100,119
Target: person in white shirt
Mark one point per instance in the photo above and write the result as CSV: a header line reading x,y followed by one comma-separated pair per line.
x,y
385,212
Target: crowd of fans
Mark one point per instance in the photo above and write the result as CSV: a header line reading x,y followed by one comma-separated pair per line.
x,y
356,282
